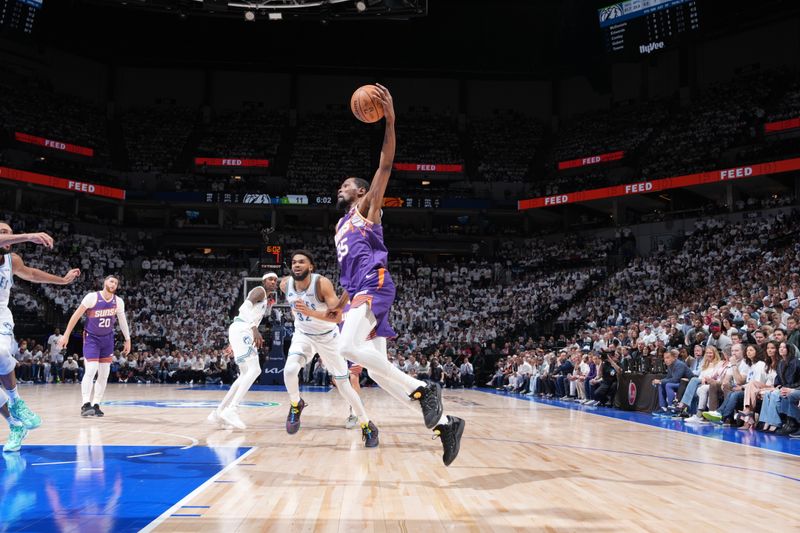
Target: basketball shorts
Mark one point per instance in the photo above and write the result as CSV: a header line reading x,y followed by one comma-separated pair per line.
x,y
8,344
240,337
326,345
98,348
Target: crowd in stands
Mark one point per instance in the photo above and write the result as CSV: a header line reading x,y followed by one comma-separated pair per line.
x,y
788,107
249,133
30,106
721,116
505,145
155,136
625,128
660,138
428,137
327,148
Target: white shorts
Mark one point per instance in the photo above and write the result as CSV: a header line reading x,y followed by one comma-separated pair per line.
x,y
8,344
240,336
326,345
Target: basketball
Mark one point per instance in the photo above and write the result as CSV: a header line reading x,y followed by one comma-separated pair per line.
x,y
366,105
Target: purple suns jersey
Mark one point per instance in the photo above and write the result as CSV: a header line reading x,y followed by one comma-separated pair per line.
x,y
359,249
101,318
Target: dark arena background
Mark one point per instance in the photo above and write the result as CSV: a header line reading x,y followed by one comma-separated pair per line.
x,y
592,227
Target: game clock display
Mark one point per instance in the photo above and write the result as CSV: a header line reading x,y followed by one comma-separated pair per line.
x,y
642,27
272,256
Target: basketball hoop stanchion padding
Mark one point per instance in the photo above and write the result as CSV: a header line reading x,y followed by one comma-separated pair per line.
x,y
272,369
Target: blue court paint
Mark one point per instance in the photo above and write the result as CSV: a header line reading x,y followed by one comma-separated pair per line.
x,y
259,388
187,515
745,438
48,488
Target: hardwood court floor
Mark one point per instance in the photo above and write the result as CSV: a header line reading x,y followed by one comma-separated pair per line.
x,y
524,466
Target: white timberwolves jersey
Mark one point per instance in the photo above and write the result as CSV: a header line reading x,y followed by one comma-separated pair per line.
x,y
253,316
302,323
6,280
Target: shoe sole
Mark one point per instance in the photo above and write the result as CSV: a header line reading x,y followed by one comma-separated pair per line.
x,y
459,432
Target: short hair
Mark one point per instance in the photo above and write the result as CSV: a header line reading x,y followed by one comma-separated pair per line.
x,y
361,183
307,255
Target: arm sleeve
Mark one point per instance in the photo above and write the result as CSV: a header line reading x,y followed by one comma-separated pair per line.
x,y
90,300
123,322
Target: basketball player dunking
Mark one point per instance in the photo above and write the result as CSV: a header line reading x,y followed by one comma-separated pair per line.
x,y
311,296
245,340
103,309
19,417
362,257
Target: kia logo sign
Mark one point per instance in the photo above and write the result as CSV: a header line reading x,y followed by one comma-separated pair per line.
x,y
273,370
631,393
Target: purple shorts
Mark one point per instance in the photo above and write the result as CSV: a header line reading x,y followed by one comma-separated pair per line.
x,y
98,348
377,291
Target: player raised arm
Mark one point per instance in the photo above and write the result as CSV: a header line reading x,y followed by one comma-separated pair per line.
x,y
326,294
8,239
34,275
255,296
373,200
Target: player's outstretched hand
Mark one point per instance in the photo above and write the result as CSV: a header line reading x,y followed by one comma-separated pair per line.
x,y
227,351
62,343
126,349
386,100
258,341
40,238
72,275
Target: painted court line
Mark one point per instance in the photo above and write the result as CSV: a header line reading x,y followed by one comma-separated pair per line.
x,y
169,512
195,506
54,463
145,454
194,441
611,414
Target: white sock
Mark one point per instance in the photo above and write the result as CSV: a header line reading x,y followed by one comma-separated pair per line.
x,y
291,376
13,396
102,381
88,380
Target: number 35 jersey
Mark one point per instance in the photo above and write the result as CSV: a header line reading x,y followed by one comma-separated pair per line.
x,y
302,323
359,249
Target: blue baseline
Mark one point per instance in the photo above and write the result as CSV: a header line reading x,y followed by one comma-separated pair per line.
x,y
754,439
59,488
261,388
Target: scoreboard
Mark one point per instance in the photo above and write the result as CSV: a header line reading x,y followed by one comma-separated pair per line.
x,y
641,27
271,256
19,15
